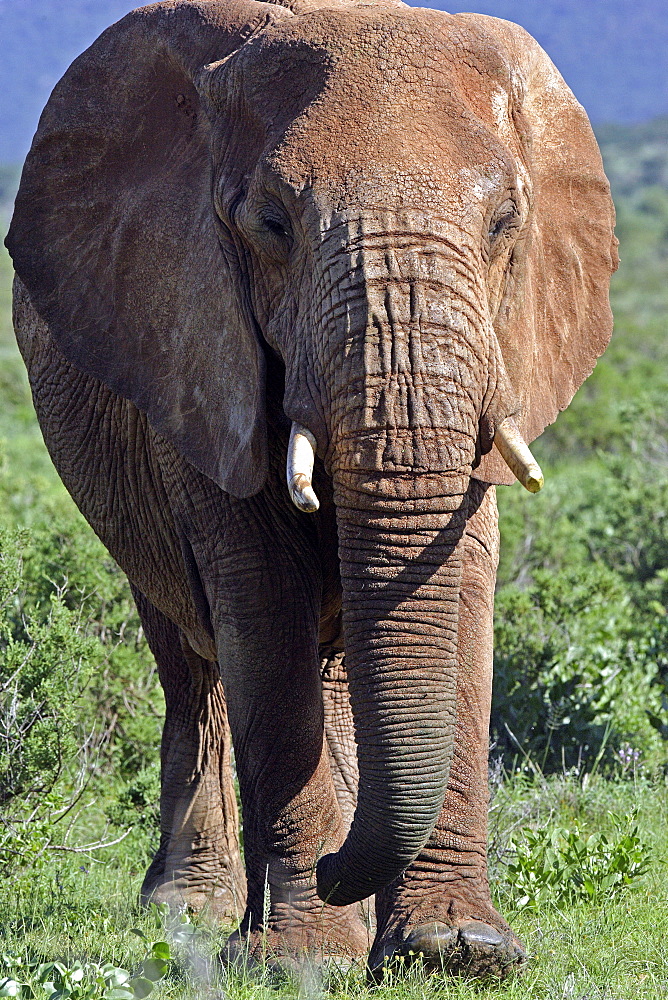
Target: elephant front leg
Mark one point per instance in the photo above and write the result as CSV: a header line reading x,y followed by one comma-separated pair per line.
x,y
198,863
265,616
441,907
340,731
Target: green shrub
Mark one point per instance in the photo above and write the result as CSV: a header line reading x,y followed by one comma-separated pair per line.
x,y
566,866
574,667
79,981
46,662
581,630
137,801
88,690
79,698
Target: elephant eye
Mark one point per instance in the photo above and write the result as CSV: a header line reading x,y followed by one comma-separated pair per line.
x,y
505,224
269,228
273,219
500,226
275,226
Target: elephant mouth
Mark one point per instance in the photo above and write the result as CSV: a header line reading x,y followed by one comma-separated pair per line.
x,y
301,458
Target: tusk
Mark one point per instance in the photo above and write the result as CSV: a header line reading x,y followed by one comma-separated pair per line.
x,y
299,469
515,453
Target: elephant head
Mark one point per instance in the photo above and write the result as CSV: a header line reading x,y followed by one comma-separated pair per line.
x,y
401,212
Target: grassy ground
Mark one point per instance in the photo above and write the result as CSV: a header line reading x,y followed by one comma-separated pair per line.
x,y
76,908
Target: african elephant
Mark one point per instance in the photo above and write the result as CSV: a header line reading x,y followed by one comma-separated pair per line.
x,y
368,240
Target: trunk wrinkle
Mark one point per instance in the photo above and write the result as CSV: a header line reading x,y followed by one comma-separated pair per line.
x,y
400,614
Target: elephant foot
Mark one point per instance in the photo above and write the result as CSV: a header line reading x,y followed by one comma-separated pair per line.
x,y
198,885
472,948
329,941
214,903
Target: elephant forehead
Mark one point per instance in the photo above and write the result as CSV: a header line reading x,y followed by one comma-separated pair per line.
x,y
401,50
345,92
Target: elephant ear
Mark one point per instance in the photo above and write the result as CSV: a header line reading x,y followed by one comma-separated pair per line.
x,y
554,320
115,239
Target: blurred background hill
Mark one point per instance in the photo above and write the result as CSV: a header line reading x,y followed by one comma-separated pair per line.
x,y
614,53
40,40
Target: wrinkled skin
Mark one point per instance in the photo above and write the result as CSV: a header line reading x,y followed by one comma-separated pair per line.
x,y
391,226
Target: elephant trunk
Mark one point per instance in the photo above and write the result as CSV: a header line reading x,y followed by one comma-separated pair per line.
x,y
401,575
406,383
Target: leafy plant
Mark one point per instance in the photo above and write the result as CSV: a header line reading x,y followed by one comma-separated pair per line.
x,y
78,694
581,627
565,866
54,732
90,981
576,667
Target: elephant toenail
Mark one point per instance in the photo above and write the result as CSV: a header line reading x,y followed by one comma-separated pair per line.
x,y
475,932
486,950
430,939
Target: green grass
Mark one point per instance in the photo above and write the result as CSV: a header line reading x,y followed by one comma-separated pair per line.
x,y
75,908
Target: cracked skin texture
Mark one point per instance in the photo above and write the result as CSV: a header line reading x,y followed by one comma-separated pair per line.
x,y
391,225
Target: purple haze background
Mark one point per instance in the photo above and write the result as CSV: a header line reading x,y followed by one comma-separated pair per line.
x,y
613,53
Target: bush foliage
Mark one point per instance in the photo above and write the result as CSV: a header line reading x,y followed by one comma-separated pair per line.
x,y
552,867
581,653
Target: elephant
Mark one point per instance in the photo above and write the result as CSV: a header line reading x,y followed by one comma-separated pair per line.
x,y
297,283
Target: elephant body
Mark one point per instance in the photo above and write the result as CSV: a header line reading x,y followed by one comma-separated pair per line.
x,y
389,227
